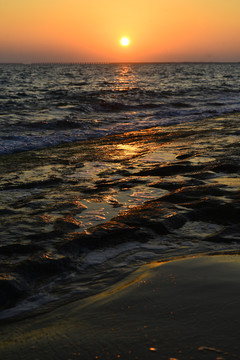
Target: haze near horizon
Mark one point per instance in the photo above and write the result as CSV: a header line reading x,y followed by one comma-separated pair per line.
x,y
91,31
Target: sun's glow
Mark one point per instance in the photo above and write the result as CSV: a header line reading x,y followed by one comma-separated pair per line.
x,y
125,41
76,32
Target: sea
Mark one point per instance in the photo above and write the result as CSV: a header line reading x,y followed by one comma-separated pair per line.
x,y
46,105
86,150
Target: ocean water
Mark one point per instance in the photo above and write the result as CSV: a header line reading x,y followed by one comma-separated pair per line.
x,y
106,167
46,105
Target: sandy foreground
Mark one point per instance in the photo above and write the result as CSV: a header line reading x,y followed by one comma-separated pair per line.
x,y
182,309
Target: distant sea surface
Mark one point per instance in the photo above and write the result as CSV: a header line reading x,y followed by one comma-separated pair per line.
x,y
107,167
45,105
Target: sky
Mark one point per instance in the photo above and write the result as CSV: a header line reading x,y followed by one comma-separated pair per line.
x,y
91,30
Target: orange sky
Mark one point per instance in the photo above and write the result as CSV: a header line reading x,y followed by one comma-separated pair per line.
x,y
90,30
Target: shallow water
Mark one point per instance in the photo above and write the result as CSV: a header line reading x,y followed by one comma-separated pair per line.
x,y
78,217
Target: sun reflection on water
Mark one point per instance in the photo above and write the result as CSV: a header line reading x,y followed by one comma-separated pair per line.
x,y
125,79
129,149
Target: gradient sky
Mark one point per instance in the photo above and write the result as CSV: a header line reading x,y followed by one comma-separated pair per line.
x,y
91,30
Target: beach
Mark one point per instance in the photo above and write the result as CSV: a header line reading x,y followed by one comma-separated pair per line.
x,y
182,309
171,300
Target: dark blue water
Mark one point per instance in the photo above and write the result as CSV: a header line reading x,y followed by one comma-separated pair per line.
x,y
44,105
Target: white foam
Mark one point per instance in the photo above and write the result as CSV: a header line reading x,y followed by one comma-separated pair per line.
x,y
97,257
27,305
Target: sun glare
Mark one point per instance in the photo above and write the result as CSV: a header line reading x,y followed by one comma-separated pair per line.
x,y
125,41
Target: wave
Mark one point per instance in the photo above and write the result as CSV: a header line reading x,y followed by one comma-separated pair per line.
x,y
48,105
48,134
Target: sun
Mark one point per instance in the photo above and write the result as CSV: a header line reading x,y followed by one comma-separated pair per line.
x,y
125,41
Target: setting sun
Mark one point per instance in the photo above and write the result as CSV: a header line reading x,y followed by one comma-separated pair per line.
x,y
84,31
125,41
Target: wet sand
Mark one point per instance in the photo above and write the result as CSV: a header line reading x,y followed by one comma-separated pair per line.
x,y
182,309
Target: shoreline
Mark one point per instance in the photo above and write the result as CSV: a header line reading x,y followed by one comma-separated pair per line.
x,y
115,137
107,243
180,309
103,207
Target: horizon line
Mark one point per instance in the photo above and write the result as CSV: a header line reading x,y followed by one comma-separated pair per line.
x,y
113,62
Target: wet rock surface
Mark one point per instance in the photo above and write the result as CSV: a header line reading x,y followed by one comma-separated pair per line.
x,y
172,189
